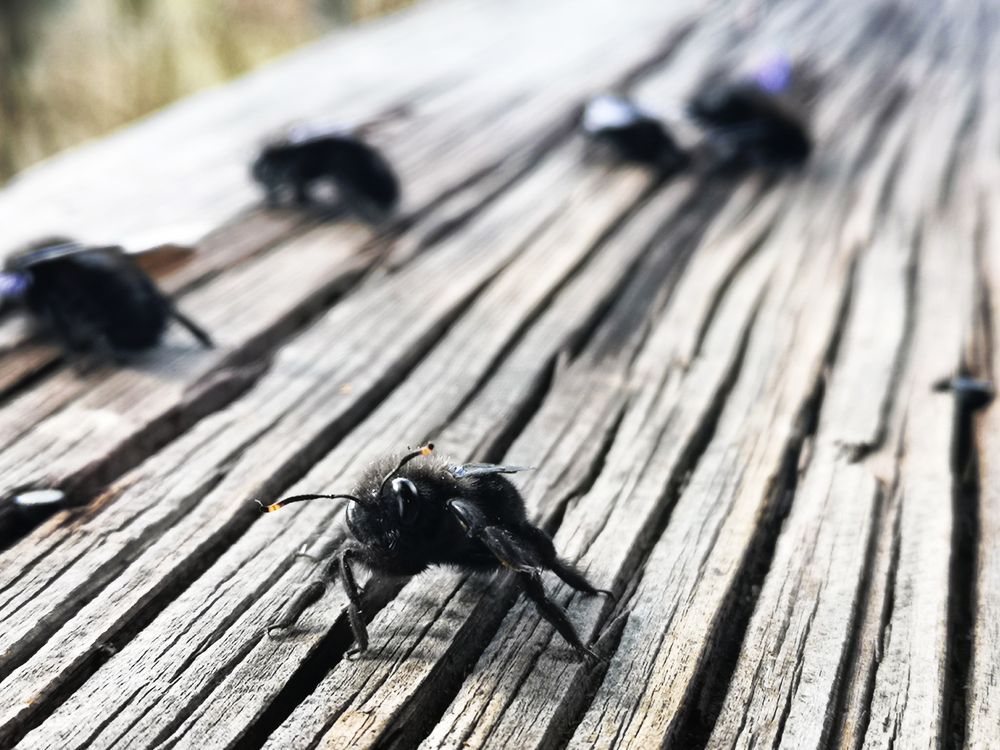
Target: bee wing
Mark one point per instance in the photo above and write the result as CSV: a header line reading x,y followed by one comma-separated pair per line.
x,y
37,255
305,132
460,471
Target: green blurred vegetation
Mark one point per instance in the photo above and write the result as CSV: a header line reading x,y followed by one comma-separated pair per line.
x,y
74,69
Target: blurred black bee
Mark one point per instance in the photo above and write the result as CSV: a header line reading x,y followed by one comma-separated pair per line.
x,y
407,517
749,126
632,134
94,299
291,165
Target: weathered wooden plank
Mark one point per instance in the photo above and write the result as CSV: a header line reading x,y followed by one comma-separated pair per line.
x,y
435,117
301,403
910,700
486,713
785,684
400,683
809,597
653,681
908,705
432,396
470,331
983,690
785,681
930,173
696,562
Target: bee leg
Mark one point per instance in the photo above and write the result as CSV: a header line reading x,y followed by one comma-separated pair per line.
x,y
301,193
568,572
524,550
546,551
195,330
273,194
468,515
358,627
556,615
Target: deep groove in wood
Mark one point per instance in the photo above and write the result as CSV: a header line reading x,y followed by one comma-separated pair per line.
x,y
234,531
697,719
671,494
962,583
966,540
833,736
885,619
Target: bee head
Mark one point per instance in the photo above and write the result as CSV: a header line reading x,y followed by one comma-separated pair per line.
x,y
376,515
266,168
379,514
400,492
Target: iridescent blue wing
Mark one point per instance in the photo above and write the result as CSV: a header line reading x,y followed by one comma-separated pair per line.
x,y
45,252
460,471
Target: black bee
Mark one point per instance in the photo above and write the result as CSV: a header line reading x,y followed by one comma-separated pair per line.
x,y
407,517
632,134
94,299
293,164
749,126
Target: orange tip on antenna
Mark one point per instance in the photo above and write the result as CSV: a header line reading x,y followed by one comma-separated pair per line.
x,y
427,449
268,508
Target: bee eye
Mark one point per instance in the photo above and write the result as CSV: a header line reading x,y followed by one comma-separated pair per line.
x,y
407,499
352,515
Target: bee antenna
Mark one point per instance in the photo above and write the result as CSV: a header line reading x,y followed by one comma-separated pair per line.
x,y
424,451
301,498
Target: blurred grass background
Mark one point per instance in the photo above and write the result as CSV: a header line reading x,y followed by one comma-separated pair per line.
x,y
74,69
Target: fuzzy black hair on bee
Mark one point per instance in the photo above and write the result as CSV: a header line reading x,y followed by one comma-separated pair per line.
x,y
294,164
748,126
631,134
93,299
406,515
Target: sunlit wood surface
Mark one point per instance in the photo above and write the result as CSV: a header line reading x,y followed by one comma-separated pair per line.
x,y
725,386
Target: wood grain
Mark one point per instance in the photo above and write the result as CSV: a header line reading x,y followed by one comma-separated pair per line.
x,y
724,383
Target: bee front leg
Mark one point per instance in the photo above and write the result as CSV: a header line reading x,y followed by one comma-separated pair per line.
x,y
300,192
311,593
358,627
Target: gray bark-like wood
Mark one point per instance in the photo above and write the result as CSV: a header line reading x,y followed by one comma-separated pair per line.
x,y
724,383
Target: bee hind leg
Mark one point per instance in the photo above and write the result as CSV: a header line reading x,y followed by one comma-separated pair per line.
x,y
556,615
568,572
523,550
